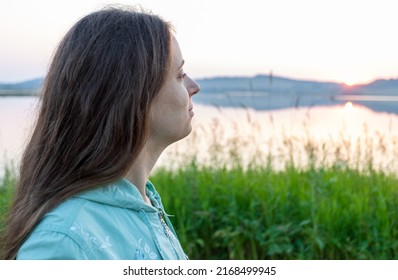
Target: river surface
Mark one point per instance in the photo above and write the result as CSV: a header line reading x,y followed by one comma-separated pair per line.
x,y
350,134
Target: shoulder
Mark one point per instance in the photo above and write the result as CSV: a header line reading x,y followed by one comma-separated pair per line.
x,y
85,229
56,237
52,245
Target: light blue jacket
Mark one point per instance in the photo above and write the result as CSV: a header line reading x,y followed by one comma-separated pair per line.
x,y
110,222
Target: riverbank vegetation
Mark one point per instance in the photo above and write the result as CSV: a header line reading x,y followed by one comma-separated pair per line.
x,y
7,186
333,213
259,213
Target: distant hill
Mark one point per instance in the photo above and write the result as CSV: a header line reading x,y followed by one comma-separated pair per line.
x,y
266,84
267,92
380,87
26,88
272,84
258,84
264,92
26,85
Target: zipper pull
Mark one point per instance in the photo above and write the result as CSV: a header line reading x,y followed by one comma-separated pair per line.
x,y
166,228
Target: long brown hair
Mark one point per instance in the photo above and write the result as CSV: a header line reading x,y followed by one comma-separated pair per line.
x,y
93,116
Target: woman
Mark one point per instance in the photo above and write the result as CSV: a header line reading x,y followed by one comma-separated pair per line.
x,y
114,98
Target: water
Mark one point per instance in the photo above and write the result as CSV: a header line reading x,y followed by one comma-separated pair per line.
x,y
348,134
352,134
295,98
17,115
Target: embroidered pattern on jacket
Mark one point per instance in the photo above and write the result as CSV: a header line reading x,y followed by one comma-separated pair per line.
x,y
144,252
103,245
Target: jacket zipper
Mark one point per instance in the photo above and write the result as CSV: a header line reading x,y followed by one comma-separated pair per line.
x,y
167,231
163,222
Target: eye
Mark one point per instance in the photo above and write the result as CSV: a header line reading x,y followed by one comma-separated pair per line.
x,y
182,76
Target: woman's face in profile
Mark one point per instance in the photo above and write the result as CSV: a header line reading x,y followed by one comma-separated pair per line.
x,y
171,112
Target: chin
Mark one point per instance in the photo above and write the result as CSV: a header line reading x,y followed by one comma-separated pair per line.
x,y
186,133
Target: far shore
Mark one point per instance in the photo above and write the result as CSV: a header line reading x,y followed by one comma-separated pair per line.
x,y
18,93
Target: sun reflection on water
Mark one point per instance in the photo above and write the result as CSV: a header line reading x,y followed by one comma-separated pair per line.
x,y
348,107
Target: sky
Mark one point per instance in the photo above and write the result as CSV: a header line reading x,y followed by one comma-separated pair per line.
x,y
348,41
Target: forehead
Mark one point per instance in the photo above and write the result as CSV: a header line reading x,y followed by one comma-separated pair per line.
x,y
176,53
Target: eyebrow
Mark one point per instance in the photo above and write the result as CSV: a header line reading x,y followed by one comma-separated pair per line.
x,y
182,64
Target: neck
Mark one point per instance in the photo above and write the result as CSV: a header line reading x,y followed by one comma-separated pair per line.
x,y
141,169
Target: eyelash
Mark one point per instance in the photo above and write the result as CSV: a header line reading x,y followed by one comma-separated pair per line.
x,y
182,76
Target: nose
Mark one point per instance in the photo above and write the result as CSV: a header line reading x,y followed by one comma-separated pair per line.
x,y
192,86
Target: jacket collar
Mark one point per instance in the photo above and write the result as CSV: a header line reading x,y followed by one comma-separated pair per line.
x,y
123,194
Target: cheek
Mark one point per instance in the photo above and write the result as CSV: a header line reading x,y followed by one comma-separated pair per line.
x,y
177,98
172,102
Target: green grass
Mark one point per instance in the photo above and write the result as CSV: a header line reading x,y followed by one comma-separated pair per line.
x,y
259,213
7,184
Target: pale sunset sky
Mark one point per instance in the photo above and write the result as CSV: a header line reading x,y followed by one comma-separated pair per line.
x,y
349,41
